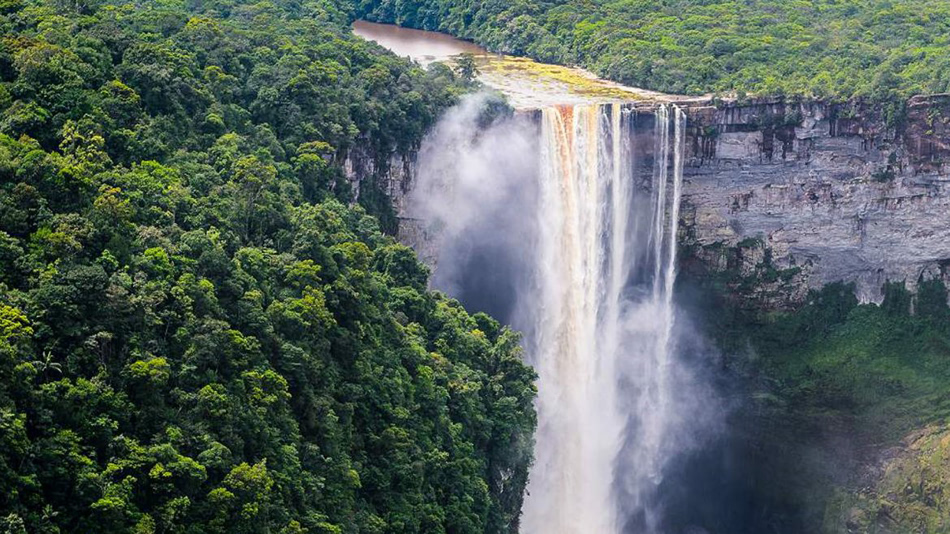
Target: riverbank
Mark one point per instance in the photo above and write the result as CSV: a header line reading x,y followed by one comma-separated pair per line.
x,y
526,83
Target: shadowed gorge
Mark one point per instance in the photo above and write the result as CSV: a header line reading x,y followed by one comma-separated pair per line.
x,y
778,393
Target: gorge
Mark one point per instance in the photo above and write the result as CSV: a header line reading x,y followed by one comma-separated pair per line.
x,y
591,266
778,199
588,269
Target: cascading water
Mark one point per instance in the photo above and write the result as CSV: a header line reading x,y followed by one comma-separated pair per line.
x,y
593,328
595,264
579,269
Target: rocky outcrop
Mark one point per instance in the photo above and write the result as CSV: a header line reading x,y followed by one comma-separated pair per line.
x,y
791,196
392,172
783,197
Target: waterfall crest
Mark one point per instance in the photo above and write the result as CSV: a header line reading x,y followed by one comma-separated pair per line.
x,y
603,340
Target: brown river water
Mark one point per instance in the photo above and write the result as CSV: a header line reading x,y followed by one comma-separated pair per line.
x,y
528,84
423,47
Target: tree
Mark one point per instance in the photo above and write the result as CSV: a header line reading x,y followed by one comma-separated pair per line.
x,y
198,331
466,68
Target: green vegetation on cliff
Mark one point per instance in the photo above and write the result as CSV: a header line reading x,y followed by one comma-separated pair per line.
x,y
907,495
877,368
197,333
833,385
878,49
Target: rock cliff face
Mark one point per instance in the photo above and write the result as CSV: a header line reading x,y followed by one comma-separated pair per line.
x,y
782,197
787,197
394,175
392,172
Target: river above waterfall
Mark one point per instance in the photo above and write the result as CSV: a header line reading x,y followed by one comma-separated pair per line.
x,y
528,84
422,46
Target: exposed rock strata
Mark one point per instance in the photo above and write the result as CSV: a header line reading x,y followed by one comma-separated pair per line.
x,y
822,192
785,197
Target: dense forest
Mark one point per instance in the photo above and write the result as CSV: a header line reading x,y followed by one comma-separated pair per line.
x,y
199,331
872,49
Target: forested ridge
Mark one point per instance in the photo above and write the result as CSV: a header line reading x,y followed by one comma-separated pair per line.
x,y
836,49
198,332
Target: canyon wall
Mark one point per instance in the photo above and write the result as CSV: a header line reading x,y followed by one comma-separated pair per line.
x,y
785,197
781,197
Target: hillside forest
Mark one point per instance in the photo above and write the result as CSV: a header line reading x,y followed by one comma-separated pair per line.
x,y
875,50
204,326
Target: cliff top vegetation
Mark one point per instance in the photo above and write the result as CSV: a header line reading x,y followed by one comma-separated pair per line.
x,y
836,49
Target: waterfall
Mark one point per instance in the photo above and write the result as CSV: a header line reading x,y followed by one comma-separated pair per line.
x,y
565,227
603,333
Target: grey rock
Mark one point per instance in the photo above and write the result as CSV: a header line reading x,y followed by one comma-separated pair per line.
x,y
833,192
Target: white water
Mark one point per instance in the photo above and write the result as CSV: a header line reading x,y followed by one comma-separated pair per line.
x,y
592,330
588,236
